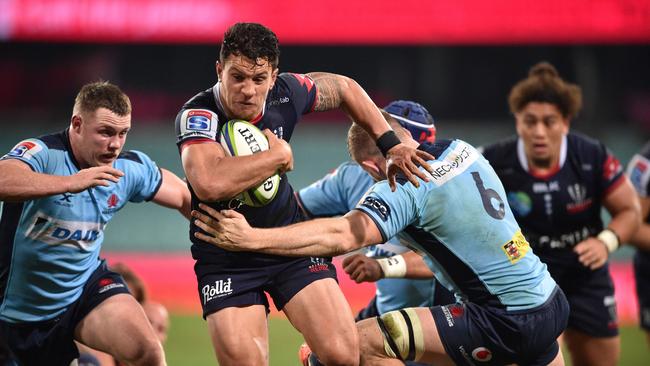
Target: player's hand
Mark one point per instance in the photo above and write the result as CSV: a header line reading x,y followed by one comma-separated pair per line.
x,y
282,148
93,177
362,269
405,159
592,253
227,229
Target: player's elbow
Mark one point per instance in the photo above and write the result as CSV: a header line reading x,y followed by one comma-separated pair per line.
x,y
213,192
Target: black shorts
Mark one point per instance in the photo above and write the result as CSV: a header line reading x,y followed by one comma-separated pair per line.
x,y
481,335
591,297
51,342
642,277
241,279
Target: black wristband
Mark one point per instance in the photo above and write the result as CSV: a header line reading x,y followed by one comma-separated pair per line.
x,y
386,141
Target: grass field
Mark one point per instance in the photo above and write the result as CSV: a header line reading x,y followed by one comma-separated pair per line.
x,y
189,343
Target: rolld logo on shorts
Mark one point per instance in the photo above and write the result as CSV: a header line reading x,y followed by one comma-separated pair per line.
x,y
219,289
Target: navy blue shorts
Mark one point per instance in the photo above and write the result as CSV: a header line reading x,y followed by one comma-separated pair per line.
x,y
241,279
591,297
642,277
51,342
474,334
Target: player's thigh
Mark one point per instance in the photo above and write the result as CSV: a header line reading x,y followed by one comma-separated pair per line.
x,y
118,326
240,335
407,334
588,350
319,303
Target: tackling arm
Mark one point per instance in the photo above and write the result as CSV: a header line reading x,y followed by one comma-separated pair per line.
x,y
228,229
173,193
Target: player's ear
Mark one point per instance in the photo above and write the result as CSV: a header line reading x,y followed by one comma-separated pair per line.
x,y
373,169
75,122
219,70
274,76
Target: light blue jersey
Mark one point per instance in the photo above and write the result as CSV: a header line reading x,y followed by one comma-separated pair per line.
x,y
50,246
461,220
339,192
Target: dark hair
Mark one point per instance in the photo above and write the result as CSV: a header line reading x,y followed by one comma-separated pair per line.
x,y
251,40
545,85
102,94
133,282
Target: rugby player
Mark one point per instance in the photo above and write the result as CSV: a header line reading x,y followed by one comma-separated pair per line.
x,y
638,172
510,310
58,192
232,286
557,182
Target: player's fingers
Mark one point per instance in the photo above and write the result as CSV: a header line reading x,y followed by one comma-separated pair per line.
x,y
107,176
205,227
419,161
416,171
211,211
231,214
269,134
408,174
424,155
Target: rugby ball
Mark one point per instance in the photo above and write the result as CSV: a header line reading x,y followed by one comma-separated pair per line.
x,y
240,138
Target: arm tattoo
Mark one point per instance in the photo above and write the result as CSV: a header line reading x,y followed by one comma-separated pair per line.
x,y
329,90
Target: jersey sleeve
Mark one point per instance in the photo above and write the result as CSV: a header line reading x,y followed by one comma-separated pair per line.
x,y
303,91
196,126
638,170
391,211
336,193
144,177
611,170
32,152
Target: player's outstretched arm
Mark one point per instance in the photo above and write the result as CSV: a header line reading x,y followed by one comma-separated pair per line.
x,y
337,91
173,193
217,177
19,183
641,238
623,205
229,230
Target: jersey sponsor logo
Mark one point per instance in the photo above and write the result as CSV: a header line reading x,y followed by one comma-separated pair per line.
x,y
482,354
465,355
281,100
50,230
566,240
578,194
546,187
198,123
304,80
454,163
520,203
220,288
516,248
378,206
25,149
318,265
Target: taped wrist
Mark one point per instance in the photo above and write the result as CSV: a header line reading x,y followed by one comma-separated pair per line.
x,y
393,267
386,141
610,239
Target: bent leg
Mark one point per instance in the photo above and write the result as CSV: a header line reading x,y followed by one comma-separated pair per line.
x,y
592,351
119,327
384,346
322,314
240,335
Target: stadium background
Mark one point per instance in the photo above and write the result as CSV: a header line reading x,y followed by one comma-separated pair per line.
x,y
459,60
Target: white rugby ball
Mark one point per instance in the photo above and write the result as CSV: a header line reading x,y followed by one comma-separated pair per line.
x,y
240,138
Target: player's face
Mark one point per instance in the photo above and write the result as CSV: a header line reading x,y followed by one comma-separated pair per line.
x,y
541,127
98,136
245,83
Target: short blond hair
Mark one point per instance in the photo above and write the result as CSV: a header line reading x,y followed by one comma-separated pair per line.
x,y
361,146
102,94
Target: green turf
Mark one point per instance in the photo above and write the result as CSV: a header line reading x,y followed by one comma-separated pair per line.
x,y
189,344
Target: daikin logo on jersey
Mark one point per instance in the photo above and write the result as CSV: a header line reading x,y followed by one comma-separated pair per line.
x,y
54,231
219,289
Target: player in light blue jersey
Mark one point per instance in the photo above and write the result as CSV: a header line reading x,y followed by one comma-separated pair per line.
x,y
340,191
510,310
58,193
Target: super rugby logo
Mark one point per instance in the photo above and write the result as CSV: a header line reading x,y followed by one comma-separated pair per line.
x,y
198,123
198,120
219,289
25,149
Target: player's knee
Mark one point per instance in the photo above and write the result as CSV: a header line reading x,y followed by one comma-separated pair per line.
x,y
402,334
342,353
149,353
250,355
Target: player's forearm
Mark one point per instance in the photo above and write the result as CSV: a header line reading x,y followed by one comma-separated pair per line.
x,y
320,237
625,224
18,184
229,176
416,268
641,238
362,110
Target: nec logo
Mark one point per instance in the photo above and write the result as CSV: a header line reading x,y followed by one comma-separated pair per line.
x,y
198,120
377,206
